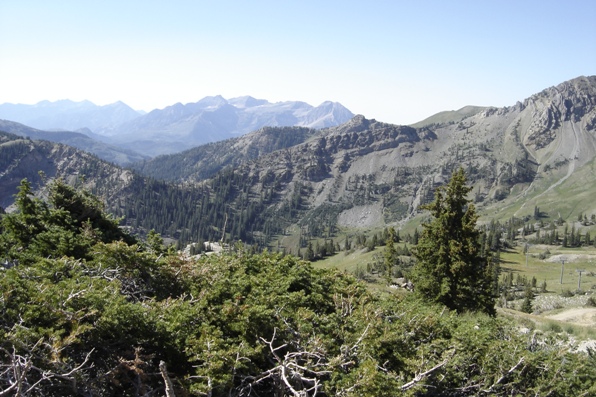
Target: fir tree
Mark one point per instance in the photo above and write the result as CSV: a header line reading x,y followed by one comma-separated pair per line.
x,y
450,268
390,251
528,298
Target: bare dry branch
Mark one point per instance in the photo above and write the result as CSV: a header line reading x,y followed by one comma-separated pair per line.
x,y
504,376
166,379
423,375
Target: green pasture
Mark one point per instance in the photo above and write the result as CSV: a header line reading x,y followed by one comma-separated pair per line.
x,y
557,260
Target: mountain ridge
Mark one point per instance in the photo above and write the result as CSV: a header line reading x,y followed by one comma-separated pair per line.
x,y
177,127
68,115
386,172
79,140
214,119
294,184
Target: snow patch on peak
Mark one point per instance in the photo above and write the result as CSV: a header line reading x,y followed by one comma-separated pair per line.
x,y
247,101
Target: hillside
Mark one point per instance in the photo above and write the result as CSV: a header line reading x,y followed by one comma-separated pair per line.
x,y
78,140
26,158
182,212
205,161
449,116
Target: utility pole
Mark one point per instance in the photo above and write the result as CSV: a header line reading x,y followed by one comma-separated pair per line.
x,y
579,281
562,269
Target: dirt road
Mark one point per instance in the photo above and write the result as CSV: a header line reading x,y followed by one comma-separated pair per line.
x,y
577,315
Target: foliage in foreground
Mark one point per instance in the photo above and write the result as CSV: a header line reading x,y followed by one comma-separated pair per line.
x,y
100,323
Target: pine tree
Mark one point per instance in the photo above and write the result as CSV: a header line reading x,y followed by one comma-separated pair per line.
x,y
450,268
528,298
390,251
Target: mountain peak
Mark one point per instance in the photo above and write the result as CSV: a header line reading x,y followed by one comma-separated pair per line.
x,y
247,102
211,101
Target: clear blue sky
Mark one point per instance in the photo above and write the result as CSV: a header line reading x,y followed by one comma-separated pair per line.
x,y
396,61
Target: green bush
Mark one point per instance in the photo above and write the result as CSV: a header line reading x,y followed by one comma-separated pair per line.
x,y
567,293
242,324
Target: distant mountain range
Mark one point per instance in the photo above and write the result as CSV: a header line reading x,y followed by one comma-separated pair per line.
x,y
67,115
175,128
292,184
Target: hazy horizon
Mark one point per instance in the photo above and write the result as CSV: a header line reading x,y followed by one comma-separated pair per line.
x,y
394,61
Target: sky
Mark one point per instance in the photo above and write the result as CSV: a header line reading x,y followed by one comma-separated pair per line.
x,y
395,61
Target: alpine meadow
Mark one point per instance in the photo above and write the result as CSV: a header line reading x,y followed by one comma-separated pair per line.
x,y
238,247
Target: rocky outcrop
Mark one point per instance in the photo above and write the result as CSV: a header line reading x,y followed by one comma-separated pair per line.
x,y
570,101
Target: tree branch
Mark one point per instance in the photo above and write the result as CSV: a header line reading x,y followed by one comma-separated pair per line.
x,y
423,375
502,378
166,379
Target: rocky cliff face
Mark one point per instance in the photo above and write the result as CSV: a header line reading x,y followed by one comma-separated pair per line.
x,y
570,102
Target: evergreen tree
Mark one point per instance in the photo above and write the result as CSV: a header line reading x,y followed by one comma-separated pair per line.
x,y
309,254
536,212
67,225
450,268
21,228
390,251
528,298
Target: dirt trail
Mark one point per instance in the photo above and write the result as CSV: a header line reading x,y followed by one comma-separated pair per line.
x,y
573,158
577,315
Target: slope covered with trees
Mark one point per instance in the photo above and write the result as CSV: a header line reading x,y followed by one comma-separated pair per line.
x,y
205,161
184,212
119,317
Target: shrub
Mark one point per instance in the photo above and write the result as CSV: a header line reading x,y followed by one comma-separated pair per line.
x,y
567,293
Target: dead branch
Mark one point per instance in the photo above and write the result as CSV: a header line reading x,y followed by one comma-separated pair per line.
x,y
504,376
166,379
298,372
423,375
15,372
